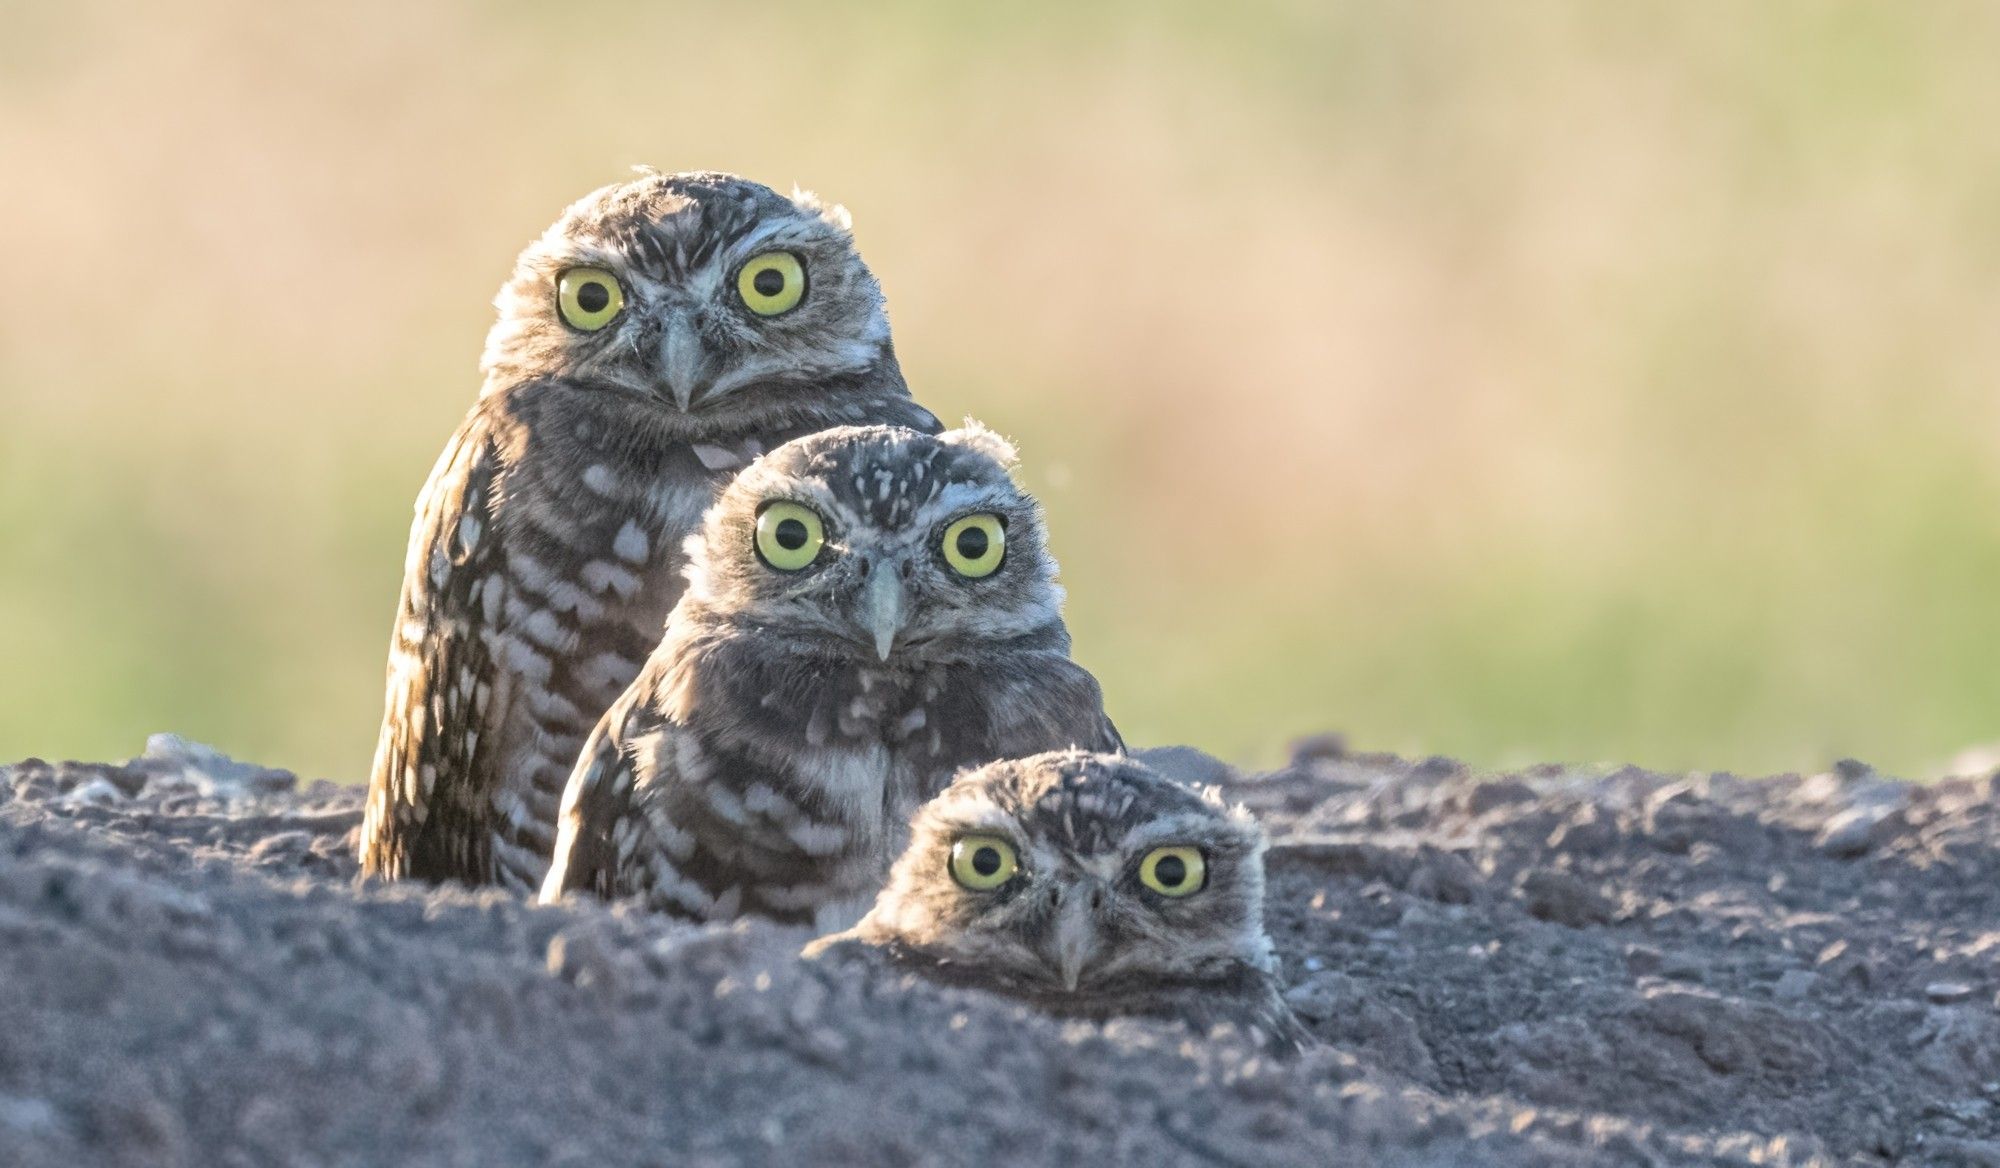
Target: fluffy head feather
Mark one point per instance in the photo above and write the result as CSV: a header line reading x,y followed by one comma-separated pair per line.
x,y
886,496
685,339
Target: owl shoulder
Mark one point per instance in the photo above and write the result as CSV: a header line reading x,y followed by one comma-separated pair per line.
x,y
1026,703
906,412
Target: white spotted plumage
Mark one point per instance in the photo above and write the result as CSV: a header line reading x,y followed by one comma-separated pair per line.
x,y
546,550
779,741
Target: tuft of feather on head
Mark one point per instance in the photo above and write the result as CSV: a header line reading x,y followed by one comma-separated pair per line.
x,y
832,213
974,435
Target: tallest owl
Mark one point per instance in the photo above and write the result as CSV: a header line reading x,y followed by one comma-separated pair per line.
x,y
663,333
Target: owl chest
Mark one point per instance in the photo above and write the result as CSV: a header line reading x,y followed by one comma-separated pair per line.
x,y
899,714
870,797
866,789
820,829
872,750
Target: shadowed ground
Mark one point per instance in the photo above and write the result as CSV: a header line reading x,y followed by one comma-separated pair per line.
x,y
1547,967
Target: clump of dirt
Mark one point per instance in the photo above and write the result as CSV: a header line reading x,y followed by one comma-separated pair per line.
x,y
1557,966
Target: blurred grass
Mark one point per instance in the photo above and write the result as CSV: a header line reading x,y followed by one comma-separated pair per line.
x,y
1527,381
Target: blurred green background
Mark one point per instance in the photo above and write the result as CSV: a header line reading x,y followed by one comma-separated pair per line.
x,y
1517,381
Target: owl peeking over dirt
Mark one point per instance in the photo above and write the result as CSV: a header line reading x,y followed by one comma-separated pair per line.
x,y
1088,886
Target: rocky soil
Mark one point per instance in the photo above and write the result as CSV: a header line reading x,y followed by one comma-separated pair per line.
x,y
1558,966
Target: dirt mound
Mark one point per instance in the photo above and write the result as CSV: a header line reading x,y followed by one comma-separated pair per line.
x,y
1558,966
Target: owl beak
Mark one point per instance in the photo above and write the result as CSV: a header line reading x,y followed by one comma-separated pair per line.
x,y
683,361
1075,944
884,608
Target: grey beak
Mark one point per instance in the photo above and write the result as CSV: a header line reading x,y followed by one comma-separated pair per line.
x,y
884,607
683,360
1075,939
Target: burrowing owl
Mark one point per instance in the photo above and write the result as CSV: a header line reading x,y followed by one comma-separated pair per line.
x,y
659,336
1088,886
869,610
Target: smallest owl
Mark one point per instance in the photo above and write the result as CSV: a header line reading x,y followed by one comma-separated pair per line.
x,y
1088,886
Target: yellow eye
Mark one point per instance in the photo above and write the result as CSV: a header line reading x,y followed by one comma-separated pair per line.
x,y
983,862
589,298
772,283
789,536
975,545
1174,871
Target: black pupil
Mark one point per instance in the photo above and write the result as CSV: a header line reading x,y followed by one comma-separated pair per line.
x,y
593,297
768,282
791,534
972,543
986,861
1171,870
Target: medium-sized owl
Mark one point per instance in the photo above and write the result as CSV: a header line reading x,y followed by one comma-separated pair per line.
x,y
1088,886
869,610
660,335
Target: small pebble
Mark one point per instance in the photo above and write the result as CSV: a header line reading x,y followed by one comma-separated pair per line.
x,y
28,1116
95,793
1851,833
279,847
1945,993
1319,746
1493,794
1186,764
1682,967
1559,897
1794,985
1643,960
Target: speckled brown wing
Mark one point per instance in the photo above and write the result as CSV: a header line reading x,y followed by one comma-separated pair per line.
x,y
539,578
444,694
542,568
599,828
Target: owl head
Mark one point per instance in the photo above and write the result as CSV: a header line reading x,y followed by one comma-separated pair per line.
x,y
881,543
701,292
1077,875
